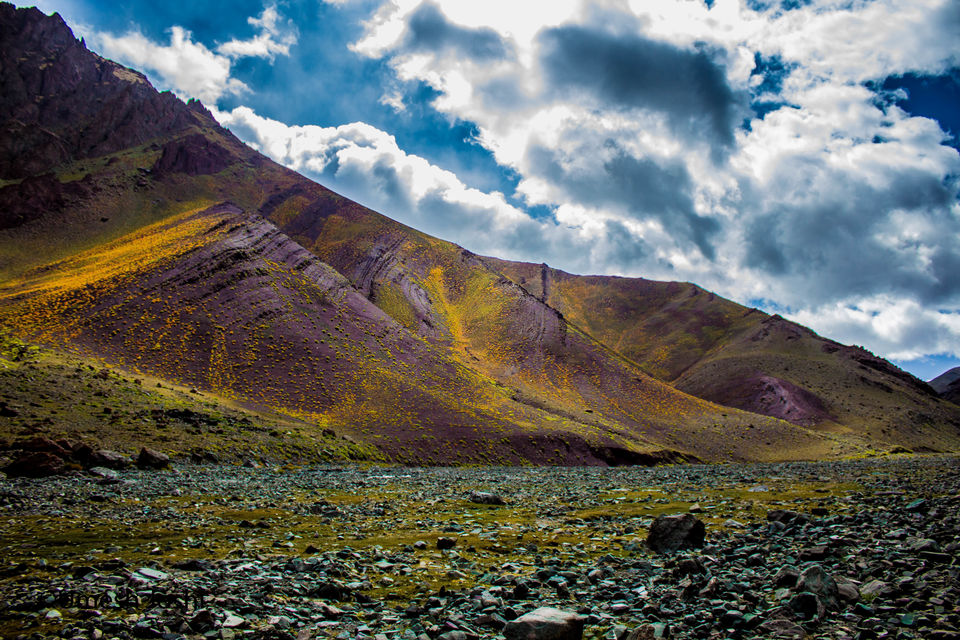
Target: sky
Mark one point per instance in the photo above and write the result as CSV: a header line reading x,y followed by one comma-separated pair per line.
x,y
800,156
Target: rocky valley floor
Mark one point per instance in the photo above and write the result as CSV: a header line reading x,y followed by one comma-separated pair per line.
x,y
860,549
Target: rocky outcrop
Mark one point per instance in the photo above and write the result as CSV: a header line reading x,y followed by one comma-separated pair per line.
x,y
947,385
29,199
40,457
194,155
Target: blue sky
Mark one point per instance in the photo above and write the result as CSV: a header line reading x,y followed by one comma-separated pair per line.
x,y
798,156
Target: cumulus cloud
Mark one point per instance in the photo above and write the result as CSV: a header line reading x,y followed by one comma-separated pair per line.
x,y
274,37
190,68
746,148
428,29
899,329
366,164
612,70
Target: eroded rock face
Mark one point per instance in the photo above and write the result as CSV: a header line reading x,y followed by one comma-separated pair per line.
x,y
27,200
60,102
39,457
193,155
670,533
34,464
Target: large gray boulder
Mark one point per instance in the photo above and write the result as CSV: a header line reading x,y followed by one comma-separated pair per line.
x,y
546,623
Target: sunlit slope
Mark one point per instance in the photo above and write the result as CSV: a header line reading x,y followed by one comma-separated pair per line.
x,y
665,327
224,301
740,357
489,324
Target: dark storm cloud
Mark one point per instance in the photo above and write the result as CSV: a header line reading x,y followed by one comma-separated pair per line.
x,y
631,71
641,187
621,246
428,29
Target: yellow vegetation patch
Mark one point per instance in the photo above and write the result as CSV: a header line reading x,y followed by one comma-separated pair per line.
x,y
132,253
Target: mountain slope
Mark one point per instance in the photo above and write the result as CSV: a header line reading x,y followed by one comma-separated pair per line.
x,y
740,357
178,252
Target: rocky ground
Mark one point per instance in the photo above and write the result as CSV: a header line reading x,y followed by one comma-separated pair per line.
x,y
861,549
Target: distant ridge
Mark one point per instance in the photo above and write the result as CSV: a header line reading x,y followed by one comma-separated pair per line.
x,y
947,384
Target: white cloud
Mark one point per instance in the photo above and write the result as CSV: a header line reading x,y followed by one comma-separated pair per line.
x,y
899,329
189,68
274,38
367,165
836,205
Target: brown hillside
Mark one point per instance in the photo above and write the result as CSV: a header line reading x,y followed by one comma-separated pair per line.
x,y
174,250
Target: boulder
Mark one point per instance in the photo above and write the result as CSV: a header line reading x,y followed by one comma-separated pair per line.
x,y
813,579
669,533
152,459
546,623
446,543
109,459
484,497
788,518
34,464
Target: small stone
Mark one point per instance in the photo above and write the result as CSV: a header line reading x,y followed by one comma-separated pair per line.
x,y
876,589
152,574
731,619
922,544
786,577
847,591
233,621
104,472
917,505
781,630
814,553
808,606
934,556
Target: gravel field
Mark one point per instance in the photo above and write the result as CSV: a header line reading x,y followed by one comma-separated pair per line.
x,y
860,549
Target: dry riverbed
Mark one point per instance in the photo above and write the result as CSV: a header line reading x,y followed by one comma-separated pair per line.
x,y
861,549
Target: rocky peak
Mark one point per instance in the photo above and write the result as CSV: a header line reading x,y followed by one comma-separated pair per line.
x,y
60,102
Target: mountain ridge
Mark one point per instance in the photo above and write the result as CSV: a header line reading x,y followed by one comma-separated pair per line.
x,y
947,385
361,325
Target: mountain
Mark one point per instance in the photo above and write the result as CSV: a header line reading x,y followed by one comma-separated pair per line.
x,y
137,231
740,357
947,384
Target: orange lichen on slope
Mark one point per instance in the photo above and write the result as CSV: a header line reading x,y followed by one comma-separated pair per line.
x,y
35,302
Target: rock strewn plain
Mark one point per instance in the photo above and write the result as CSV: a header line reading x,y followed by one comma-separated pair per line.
x,y
861,549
